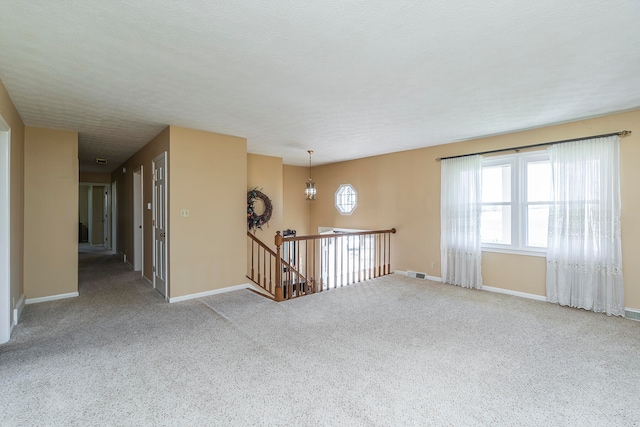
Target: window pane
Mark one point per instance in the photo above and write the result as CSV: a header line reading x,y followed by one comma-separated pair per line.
x,y
496,224
496,184
346,199
537,223
539,181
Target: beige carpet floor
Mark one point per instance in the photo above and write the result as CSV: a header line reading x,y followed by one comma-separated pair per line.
x,y
392,351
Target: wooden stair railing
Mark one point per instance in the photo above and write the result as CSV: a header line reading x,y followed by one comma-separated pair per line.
x,y
275,276
307,264
261,273
340,259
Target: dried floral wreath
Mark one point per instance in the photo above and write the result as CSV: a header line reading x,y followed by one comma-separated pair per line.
x,y
255,221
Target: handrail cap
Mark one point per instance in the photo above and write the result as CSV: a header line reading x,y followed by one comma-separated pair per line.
x,y
331,236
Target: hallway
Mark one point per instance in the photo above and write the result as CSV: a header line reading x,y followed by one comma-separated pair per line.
x,y
88,248
103,275
120,354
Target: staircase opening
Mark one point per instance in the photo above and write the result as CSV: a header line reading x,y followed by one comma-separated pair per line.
x,y
302,265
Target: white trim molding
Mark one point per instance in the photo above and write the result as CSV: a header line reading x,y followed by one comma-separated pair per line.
x,y
6,325
514,293
17,311
51,298
629,313
209,293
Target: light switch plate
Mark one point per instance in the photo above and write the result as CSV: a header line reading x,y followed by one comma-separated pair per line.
x,y
184,213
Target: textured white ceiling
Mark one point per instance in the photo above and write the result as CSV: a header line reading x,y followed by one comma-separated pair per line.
x,y
348,79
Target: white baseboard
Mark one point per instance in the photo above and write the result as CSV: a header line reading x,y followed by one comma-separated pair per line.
x,y
51,298
630,313
514,293
123,257
147,280
17,311
209,293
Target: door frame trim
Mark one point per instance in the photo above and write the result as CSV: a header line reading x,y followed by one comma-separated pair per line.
x,y
114,217
6,324
108,220
164,154
140,203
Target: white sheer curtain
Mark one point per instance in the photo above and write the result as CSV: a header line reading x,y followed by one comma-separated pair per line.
x,y
460,209
584,255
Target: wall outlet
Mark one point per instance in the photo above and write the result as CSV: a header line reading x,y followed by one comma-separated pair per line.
x,y
433,264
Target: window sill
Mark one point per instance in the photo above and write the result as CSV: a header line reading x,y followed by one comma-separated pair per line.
x,y
515,252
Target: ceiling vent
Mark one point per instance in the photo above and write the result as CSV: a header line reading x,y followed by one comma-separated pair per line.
x,y
100,161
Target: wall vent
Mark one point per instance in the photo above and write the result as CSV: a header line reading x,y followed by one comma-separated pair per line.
x,y
632,314
417,275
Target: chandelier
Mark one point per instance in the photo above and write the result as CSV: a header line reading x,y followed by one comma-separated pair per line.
x,y
310,190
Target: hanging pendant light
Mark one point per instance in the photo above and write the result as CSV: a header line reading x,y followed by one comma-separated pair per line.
x,y
310,190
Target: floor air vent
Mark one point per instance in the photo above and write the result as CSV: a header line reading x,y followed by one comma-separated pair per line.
x,y
633,315
417,275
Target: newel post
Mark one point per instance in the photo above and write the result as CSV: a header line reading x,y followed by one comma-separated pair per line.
x,y
278,241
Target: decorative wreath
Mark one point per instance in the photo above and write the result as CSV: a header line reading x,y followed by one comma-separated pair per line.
x,y
255,221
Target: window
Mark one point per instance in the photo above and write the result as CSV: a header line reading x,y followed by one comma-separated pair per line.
x,y
346,199
516,195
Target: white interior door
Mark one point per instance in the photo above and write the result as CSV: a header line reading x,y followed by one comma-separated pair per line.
x,y
160,224
5,277
114,216
138,249
106,216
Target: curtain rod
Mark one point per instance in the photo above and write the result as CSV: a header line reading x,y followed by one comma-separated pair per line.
x,y
621,133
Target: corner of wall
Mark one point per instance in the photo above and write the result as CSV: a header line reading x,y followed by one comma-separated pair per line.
x,y
207,175
50,212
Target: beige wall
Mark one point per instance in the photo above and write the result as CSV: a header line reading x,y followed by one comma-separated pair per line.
x,y
50,212
208,176
402,190
296,209
284,185
11,116
265,173
144,157
95,178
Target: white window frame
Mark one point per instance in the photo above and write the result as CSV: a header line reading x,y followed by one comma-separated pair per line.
x,y
518,163
338,200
